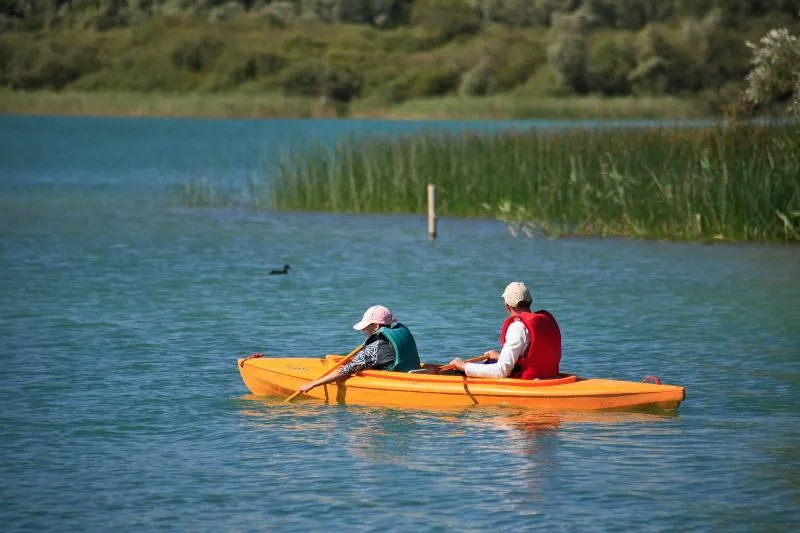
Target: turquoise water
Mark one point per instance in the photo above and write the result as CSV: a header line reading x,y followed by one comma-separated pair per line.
x,y
121,318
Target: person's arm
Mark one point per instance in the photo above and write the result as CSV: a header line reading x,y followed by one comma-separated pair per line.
x,y
366,358
515,346
333,376
490,355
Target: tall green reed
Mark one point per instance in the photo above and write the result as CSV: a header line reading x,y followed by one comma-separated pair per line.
x,y
739,183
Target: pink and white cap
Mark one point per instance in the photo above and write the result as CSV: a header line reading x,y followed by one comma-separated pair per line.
x,y
377,314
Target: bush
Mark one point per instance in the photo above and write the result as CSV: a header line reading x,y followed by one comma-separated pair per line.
x,y
520,12
46,66
649,76
430,81
343,80
727,101
302,44
9,23
103,16
304,78
263,64
196,55
567,51
383,13
776,69
631,14
239,68
610,65
226,11
545,81
501,66
662,66
448,18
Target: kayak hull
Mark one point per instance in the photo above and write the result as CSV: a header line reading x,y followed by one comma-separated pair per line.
x,y
283,376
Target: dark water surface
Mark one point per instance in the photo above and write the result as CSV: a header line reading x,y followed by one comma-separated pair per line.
x,y
121,318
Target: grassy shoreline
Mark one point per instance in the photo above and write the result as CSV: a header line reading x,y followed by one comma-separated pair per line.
x,y
264,106
515,107
122,104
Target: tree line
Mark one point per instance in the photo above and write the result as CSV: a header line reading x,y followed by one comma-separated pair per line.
x,y
621,14
389,51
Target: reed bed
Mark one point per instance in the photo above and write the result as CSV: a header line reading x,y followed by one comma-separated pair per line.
x,y
734,183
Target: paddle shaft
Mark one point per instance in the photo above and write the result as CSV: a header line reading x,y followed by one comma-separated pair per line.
x,y
473,360
346,359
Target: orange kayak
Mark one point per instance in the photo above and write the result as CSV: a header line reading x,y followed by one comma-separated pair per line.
x,y
283,376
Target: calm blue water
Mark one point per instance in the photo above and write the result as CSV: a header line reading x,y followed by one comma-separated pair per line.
x,y
121,318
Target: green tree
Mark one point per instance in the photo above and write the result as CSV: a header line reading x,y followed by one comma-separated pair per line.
x,y
568,51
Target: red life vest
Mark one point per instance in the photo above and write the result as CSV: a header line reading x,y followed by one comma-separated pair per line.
x,y
544,351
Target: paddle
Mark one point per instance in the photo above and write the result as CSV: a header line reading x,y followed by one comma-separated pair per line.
x,y
346,359
473,360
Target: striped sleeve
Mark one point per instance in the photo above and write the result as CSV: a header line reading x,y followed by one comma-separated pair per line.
x,y
366,358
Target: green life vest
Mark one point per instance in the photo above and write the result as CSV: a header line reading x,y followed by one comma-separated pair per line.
x,y
406,356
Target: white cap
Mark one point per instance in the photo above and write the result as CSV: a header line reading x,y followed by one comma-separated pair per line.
x,y
516,293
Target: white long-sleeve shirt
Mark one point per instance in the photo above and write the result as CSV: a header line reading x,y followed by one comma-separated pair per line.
x,y
516,345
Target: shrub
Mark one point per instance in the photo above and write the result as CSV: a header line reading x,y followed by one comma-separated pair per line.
x,y
610,65
237,68
304,78
662,65
567,51
47,66
545,81
226,11
776,69
631,14
430,81
501,65
520,12
196,55
448,18
342,84
278,14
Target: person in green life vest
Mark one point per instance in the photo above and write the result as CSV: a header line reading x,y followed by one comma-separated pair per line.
x,y
389,346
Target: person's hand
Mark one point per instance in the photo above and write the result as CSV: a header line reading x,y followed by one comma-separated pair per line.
x,y
307,387
492,354
458,363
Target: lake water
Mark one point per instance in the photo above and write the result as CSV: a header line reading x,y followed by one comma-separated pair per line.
x,y
121,318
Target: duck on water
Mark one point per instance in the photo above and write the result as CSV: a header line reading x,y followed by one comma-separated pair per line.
x,y
284,270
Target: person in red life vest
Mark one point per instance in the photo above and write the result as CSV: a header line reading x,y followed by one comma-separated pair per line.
x,y
530,342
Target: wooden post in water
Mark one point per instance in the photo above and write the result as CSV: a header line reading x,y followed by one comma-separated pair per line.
x,y
431,212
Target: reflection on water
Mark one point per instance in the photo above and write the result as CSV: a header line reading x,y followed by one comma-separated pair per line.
x,y
393,436
486,455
